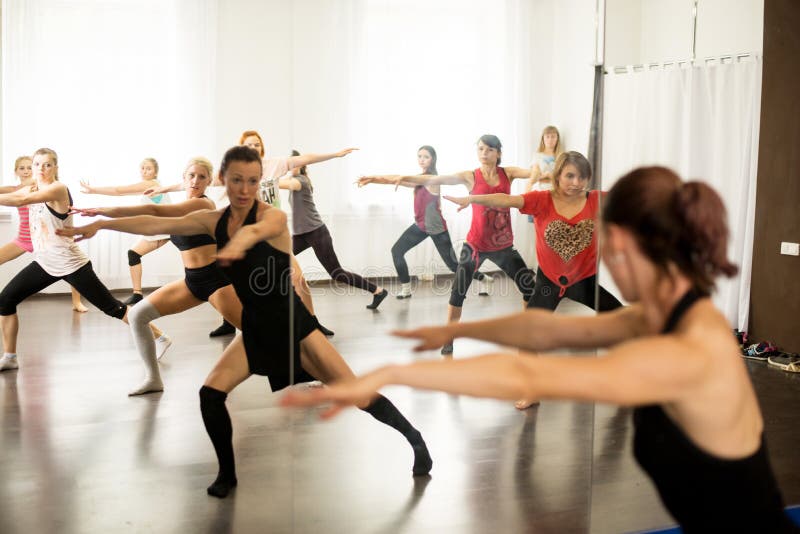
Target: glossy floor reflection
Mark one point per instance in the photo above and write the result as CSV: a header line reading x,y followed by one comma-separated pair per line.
x,y
78,455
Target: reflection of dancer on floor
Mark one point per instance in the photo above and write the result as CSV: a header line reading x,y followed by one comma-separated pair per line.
x,y
699,433
308,230
490,236
148,171
23,170
428,222
203,281
56,257
255,250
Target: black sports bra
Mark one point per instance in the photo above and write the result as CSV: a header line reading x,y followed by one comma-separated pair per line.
x,y
188,242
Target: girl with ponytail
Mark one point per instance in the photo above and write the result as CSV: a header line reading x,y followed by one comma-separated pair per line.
x,y
698,429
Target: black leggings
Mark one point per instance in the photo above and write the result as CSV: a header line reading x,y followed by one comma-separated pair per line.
x,y
34,278
545,294
322,244
412,237
509,261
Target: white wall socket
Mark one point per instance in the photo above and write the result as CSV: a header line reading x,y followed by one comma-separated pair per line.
x,y
790,249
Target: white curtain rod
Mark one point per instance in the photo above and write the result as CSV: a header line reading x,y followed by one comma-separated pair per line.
x,y
682,63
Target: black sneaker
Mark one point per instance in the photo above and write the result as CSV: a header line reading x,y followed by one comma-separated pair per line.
x,y
133,299
377,299
225,329
760,351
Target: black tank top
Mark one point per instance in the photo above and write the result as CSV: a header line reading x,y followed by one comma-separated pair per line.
x,y
188,242
263,277
705,493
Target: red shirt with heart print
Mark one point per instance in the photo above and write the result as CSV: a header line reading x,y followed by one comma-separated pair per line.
x,y
565,248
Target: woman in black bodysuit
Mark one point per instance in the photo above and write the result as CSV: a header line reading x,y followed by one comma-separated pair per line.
x,y
255,253
699,433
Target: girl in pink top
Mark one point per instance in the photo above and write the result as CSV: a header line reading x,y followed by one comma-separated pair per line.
x,y
23,170
490,236
428,222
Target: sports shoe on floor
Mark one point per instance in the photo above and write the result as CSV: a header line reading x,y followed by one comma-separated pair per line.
x,y
405,291
377,299
484,284
8,363
133,299
785,361
162,344
760,351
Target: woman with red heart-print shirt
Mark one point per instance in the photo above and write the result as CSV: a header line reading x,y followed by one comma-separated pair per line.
x,y
566,244
490,236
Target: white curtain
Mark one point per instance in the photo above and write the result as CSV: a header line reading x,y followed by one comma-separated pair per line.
x,y
108,83
703,122
395,75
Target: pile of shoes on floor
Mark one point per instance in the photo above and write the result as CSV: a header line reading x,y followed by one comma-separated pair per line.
x,y
766,351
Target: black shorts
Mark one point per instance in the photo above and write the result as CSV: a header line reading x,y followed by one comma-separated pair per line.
x,y
268,342
204,281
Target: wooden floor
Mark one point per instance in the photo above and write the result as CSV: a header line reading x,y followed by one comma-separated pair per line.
x,y
78,455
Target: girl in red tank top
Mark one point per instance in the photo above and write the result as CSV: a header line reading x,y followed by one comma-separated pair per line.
x,y
566,244
490,236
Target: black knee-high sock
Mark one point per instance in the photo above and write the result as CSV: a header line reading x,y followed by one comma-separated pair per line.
x,y
220,430
387,413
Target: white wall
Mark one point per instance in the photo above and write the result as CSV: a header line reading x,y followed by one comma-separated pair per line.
x,y
573,71
309,74
730,27
654,31
723,27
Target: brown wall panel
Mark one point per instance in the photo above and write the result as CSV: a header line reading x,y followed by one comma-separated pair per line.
x,y
775,292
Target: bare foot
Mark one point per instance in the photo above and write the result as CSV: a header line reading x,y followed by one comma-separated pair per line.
x,y
79,307
524,404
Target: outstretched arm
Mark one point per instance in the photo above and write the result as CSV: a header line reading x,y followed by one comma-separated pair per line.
x,y
288,181
122,190
310,159
394,180
517,172
11,188
160,190
464,178
539,330
198,222
623,376
157,210
271,225
52,193
495,200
